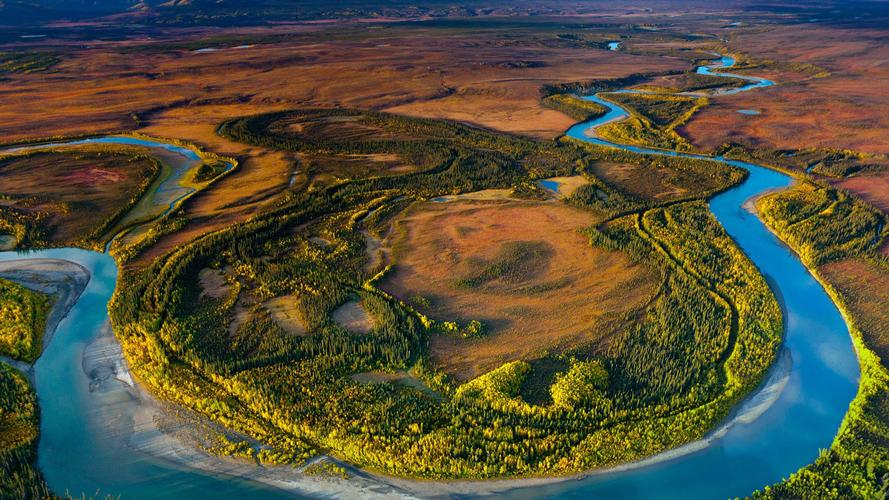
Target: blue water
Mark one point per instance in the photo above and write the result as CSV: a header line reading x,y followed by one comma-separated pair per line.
x,y
77,454
550,185
613,45
750,112
168,192
823,377
727,62
112,139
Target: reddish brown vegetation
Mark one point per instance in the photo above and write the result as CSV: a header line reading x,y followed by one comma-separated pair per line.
x,y
571,294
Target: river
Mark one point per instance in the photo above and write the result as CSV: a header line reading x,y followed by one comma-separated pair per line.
x,y
87,422
797,412
776,431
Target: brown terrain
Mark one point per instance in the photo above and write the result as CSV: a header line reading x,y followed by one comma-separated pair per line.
x,y
76,190
489,78
563,293
845,110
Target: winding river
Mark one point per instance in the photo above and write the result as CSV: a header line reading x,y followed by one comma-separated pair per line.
x,y
88,418
797,410
773,433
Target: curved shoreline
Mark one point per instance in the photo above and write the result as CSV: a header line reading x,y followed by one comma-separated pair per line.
x,y
148,435
62,280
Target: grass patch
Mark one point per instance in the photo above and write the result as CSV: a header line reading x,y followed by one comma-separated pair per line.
x,y
27,62
515,262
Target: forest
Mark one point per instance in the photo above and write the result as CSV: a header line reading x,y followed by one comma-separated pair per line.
x,y
838,237
22,321
664,381
19,415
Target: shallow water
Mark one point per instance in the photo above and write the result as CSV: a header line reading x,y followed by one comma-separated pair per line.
x,y
82,433
822,379
81,449
171,187
727,62
550,185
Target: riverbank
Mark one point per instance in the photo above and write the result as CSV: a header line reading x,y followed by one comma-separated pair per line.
x,y
61,280
135,424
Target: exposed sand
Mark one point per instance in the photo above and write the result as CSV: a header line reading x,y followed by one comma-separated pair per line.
x,y
750,204
62,280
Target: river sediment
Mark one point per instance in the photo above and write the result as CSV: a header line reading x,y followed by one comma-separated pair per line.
x,y
138,446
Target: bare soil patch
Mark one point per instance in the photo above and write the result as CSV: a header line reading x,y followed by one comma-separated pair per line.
x,y
213,283
353,317
522,268
285,312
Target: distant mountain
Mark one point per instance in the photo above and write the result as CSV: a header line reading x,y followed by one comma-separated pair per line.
x,y
19,12
16,12
228,12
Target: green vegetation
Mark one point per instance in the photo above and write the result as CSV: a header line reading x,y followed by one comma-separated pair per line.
x,y
23,315
575,107
19,475
823,161
653,120
838,237
209,170
822,223
689,178
27,62
659,109
698,348
582,385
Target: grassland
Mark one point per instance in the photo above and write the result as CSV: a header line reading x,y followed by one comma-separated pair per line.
x,y
653,121
524,269
23,315
70,197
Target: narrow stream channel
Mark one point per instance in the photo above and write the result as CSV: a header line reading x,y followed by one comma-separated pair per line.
x,y
87,418
778,430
